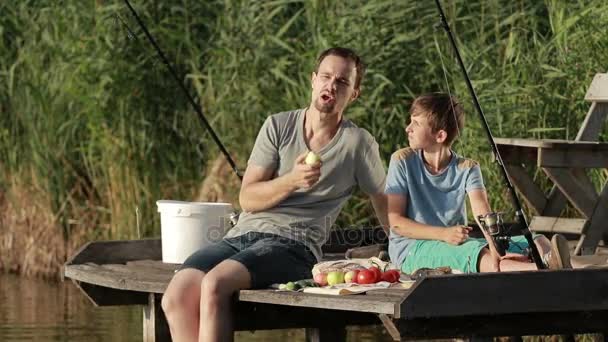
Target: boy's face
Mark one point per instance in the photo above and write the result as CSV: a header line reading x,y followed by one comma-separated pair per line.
x,y
420,134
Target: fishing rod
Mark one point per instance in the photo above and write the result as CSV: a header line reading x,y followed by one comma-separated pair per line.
x,y
197,108
497,234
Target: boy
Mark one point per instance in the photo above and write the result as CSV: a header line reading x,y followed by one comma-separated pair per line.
x,y
426,187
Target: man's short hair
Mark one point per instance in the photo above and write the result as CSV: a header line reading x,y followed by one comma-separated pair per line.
x,y
443,112
345,53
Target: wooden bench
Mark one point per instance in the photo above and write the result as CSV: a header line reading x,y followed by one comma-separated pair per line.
x,y
564,162
499,304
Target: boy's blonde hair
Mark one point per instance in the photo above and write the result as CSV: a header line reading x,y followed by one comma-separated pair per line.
x,y
443,112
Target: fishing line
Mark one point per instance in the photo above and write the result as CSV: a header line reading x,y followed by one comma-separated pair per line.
x,y
178,80
515,199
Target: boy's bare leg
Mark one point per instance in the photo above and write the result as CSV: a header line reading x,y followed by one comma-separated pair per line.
x,y
488,263
181,304
217,289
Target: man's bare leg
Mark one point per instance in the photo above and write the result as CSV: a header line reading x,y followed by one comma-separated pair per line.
x,y
217,289
181,304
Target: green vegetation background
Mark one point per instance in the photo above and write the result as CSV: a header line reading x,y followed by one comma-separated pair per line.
x,y
93,129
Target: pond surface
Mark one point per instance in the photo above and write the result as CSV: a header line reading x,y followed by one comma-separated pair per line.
x,y
41,310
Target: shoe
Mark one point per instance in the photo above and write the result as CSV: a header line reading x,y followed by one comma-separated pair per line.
x,y
559,256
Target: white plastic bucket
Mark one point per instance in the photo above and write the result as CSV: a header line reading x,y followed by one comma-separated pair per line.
x,y
188,226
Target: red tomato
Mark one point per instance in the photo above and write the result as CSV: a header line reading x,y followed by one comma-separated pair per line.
x,y
392,276
366,277
377,273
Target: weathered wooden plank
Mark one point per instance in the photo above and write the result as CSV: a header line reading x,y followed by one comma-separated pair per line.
x,y
156,264
535,143
155,324
391,327
567,183
598,224
337,334
558,144
517,155
557,224
593,122
390,292
594,155
519,324
259,316
594,260
145,272
117,280
117,252
524,183
506,293
103,296
556,202
359,303
598,90
122,270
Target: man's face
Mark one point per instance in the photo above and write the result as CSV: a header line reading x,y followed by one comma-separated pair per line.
x,y
419,132
333,85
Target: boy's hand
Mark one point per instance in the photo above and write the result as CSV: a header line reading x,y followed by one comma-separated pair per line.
x,y
303,175
456,235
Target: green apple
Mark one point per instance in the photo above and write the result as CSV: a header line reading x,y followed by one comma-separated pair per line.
x,y
335,277
312,158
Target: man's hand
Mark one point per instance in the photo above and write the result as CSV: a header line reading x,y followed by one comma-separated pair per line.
x,y
303,175
456,235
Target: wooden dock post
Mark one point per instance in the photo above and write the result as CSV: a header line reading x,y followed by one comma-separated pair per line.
x,y
156,328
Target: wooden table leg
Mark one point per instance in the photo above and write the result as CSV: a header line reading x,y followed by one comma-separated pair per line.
x,y
325,334
156,328
598,225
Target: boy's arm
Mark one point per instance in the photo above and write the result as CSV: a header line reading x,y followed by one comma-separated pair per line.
x,y
480,206
407,227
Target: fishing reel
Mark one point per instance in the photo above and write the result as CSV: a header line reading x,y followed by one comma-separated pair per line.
x,y
492,223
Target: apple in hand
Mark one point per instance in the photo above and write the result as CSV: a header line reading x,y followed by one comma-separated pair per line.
x,y
312,158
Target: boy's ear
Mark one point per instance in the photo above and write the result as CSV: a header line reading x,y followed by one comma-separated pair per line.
x,y
441,136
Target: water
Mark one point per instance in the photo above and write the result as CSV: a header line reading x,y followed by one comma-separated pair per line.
x,y
40,310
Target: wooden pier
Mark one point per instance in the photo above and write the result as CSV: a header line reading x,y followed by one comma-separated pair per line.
x,y
497,304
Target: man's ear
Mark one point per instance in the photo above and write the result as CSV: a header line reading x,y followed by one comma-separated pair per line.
x,y
312,78
441,136
355,94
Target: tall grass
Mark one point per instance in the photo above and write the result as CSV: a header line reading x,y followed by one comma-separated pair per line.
x,y
92,122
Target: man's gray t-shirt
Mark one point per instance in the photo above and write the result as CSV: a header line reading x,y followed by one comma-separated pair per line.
x,y
306,215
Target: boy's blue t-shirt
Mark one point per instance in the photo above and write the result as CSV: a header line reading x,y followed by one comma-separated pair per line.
x,y
437,200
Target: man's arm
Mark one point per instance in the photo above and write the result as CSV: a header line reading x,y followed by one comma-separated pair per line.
x,y
259,191
407,227
379,202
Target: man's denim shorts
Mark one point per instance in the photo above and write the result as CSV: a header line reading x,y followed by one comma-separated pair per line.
x,y
269,258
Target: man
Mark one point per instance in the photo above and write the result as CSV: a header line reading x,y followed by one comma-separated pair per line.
x,y
427,186
288,205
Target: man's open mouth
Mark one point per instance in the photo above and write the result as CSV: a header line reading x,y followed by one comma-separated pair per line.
x,y
327,98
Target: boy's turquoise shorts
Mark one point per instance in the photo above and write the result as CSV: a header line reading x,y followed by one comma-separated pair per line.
x,y
464,257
